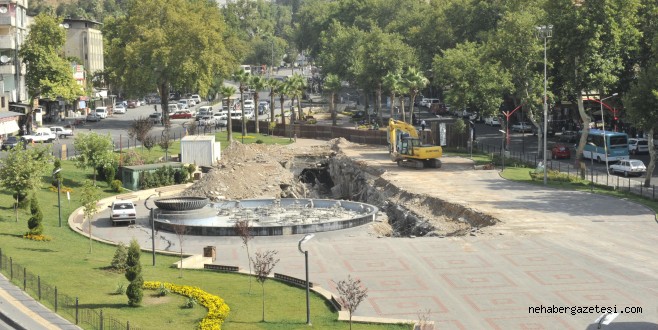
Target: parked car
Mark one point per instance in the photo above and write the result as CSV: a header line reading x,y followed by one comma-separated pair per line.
x,y
249,105
119,109
133,104
61,132
101,112
172,108
203,111
221,119
569,137
560,151
181,114
522,127
196,98
207,120
155,117
12,141
629,167
636,146
491,121
123,211
551,132
92,116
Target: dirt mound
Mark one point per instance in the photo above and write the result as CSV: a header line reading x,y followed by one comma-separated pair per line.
x,y
253,171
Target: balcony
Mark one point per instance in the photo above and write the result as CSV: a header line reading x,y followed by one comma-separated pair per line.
x,y
7,42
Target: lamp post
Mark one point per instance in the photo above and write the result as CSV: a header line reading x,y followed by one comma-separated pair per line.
x,y
502,147
152,225
591,168
545,31
299,246
59,197
605,142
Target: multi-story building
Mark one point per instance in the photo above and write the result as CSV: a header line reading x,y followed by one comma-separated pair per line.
x,y
84,40
13,30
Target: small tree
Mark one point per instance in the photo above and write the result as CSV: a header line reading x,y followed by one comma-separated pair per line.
x,y
243,229
93,150
264,263
134,274
139,129
120,256
35,222
166,142
21,172
149,142
350,294
181,231
89,198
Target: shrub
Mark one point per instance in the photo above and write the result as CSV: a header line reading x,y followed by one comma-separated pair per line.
x,y
35,222
131,157
180,176
259,141
119,260
162,291
120,289
116,185
110,174
190,303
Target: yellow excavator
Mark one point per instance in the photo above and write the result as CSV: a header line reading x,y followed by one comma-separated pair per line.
x,y
406,149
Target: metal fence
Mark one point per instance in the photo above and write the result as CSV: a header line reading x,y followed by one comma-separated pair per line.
x,y
61,303
598,177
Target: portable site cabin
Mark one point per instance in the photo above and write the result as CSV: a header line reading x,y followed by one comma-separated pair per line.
x,y
130,174
201,150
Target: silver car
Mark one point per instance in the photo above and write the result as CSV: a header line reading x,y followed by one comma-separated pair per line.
x,y
123,210
629,167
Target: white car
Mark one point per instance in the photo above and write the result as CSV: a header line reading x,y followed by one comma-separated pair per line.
x,y
119,109
522,127
101,112
196,98
629,167
221,119
249,105
491,121
123,210
636,146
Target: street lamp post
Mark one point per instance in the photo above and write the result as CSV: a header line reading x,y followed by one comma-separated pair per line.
x,y
299,246
591,168
152,225
59,197
502,148
545,31
605,144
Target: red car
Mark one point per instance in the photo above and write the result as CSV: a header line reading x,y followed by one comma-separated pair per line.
x,y
560,151
184,114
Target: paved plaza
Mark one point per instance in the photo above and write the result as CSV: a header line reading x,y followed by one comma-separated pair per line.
x,y
551,248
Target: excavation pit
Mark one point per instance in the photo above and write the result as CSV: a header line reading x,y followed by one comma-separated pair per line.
x,y
267,217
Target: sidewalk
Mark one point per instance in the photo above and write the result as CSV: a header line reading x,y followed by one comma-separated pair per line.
x,y
21,311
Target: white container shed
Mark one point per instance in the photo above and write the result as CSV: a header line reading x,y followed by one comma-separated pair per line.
x,y
201,150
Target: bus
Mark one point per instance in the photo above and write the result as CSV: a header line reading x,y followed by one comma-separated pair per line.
x,y
615,142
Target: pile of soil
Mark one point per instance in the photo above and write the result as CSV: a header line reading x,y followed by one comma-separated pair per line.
x,y
253,171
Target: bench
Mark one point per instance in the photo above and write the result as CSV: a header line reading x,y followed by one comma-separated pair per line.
x,y
292,280
221,268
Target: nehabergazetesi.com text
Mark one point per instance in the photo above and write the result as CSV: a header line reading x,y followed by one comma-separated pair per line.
x,y
573,310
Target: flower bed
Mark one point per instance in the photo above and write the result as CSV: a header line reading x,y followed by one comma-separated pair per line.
x,y
217,309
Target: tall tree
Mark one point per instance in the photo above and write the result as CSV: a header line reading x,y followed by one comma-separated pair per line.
x,y
392,84
296,86
273,84
258,84
414,82
21,170
93,150
148,50
227,91
589,52
332,85
642,109
48,74
242,78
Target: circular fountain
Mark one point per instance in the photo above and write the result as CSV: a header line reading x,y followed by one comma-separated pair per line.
x,y
267,217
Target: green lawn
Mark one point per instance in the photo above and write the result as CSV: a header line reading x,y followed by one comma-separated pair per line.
x,y
65,262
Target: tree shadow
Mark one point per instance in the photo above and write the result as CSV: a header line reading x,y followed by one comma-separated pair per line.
x,y
37,250
12,235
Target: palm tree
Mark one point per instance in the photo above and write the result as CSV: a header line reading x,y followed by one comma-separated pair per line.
x,y
283,91
227,91
392,83
414,81
274,85
242,78
332,84
297,85
258,83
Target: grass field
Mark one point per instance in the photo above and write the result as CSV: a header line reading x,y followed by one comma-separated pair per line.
x,y
67,263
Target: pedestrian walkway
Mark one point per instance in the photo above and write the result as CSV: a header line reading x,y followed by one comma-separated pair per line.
x,y
21,311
